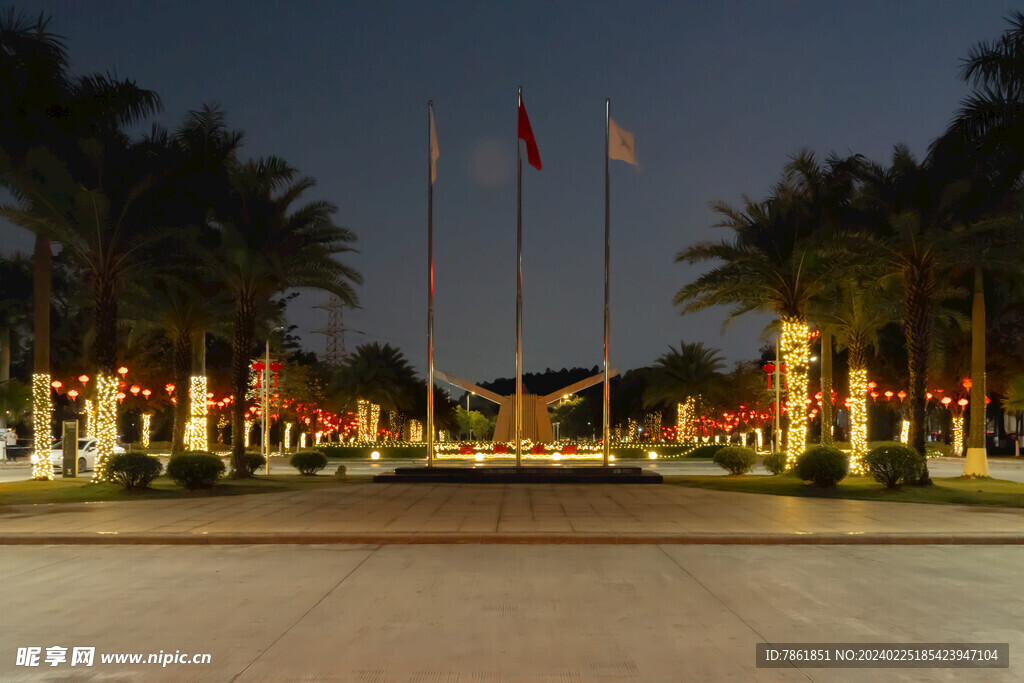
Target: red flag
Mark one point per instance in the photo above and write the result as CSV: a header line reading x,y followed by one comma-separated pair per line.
x,y
526,135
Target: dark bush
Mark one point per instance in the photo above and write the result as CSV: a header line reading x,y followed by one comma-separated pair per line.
x,y
340,472
775,463
736,459
705,451
133,470
895,465
254,461
309,462
195,469
823,465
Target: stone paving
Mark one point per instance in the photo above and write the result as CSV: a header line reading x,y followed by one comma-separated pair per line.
x,y
563,513
500,613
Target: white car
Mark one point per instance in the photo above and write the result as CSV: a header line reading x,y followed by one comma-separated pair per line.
x,y
86,454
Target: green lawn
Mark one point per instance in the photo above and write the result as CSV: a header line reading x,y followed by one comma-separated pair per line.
x,y
946,490
80,490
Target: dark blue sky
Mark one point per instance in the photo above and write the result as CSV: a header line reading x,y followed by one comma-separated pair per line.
x,y
716,93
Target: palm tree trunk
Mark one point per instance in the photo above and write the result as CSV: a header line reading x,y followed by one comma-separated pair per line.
x,y
917,327
198,438
105,329
858,374
826,386
976,462
182,370
42,427
241,349
796,356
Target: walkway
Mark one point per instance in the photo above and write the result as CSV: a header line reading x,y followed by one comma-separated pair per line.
x,y
460,513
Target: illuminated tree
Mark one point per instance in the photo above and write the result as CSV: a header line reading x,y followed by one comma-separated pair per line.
x,y
769,264
687,372
44,113
267,244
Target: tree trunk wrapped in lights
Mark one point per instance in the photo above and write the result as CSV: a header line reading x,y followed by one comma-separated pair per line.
x,y
195,433
796,355
685,414
146,421
42,431
106,422
858,416
958,435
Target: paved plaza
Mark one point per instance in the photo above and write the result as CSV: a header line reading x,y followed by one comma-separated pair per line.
x,y
476,613
474,583
496,513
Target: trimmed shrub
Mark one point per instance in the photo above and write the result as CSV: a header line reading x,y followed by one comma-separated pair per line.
x,y
937,449
705,451
195,469
823,465
736,459
775,463
895,465
254,461
133,470
309,462
340,472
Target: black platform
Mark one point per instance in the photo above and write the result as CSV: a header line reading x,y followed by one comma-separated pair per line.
x,y
498,474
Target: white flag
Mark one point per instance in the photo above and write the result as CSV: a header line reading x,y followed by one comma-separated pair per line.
x,y
620,144
434,153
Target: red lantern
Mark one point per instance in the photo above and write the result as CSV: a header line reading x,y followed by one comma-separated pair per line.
x,y
259,367
962,402
946,400
135,389
902,395
169,388
73,394
275,368
888,395
122,371
120,396
56,384
83,378
967,383
147,393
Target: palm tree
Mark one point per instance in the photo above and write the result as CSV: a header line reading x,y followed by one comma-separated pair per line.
x,y
104,216
930,221
860,308
376,373
826,191
264,246
42,107
684,373
1013,402
770,264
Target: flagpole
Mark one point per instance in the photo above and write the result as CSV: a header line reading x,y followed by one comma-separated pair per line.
x,y
519,291
607,261
430,288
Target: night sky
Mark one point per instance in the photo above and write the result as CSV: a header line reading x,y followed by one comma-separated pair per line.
x,y
718,94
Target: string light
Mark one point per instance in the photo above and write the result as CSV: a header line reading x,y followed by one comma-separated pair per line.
x,y
415,430
905,431
302,440
195,429
684,419
42,430
287,435
797,356
248,430
106,422
958,434
760,438
146,418
858,419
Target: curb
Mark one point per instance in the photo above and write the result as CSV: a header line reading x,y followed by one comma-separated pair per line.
x,y
412,538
